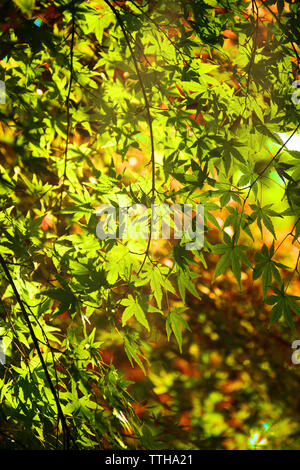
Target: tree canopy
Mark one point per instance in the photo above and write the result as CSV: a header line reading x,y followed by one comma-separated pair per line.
x,y
155,103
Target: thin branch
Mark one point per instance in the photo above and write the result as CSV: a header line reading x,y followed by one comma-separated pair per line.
x,y
120,21
283,29
253,50
152,160
162,31
262,172
68,100
273,159
291,233
66,431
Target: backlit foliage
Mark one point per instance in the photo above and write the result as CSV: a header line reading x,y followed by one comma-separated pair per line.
x,y
159,102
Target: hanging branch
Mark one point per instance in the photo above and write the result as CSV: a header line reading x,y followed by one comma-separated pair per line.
x,y
68,101
160,29
66,430
147,105
284,30
260,174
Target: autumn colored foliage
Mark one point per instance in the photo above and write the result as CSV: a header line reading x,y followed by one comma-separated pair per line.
x,y
132,343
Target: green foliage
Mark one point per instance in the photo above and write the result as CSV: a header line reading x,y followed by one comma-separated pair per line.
x,y
111,100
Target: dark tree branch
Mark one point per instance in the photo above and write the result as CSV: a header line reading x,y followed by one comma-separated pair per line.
x,y
119,19
66,430
147,105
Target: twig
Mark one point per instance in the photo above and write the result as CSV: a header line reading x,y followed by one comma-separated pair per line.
x,y
262,172
283,30
291,233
